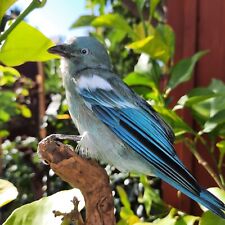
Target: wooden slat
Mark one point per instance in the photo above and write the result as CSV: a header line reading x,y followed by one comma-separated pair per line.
x,y
182,16
211,33
198,25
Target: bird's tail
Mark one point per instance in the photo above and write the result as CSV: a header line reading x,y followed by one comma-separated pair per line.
x,y
211,202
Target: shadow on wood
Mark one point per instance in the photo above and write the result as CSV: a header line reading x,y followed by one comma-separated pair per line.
x,y
83,174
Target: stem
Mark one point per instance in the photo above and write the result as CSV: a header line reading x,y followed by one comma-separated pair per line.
x,y
34,4
144,25
211,150
143,22
202,162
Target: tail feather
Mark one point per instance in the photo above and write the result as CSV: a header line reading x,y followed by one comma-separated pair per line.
x,y
212,202
198,194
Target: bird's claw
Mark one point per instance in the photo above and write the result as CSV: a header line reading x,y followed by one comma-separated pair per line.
x,y
83,152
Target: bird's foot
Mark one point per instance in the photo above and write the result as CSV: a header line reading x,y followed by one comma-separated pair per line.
x,y
83,152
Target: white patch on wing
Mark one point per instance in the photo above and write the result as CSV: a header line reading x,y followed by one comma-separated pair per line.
x,y
94,82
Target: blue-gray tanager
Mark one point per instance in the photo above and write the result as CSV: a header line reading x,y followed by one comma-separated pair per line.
x,y
119,127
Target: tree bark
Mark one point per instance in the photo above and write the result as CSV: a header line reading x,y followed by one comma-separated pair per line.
x,y
84,174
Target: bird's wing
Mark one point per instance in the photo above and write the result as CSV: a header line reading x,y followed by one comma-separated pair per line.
x,y
125,114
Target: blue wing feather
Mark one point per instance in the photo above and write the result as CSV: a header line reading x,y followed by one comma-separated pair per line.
x,y
143,130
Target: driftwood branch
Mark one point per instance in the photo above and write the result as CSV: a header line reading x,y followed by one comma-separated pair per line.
x,y
83,174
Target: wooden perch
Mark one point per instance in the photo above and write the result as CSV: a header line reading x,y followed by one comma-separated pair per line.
x,y
84,174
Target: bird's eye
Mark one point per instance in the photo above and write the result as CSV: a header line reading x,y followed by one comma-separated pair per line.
x,y
84,51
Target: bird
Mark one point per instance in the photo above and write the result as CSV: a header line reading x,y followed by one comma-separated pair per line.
x,y
118,126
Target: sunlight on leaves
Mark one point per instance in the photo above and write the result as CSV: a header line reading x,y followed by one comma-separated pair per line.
x,y
8,75
25,43
8,192
151,45
41,212
115,21
187,220
25,111
170,219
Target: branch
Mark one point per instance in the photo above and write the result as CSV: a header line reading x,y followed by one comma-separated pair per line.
x,y
33,5
202,162
83,174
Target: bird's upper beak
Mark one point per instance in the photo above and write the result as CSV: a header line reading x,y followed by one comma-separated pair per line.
x,y
61,50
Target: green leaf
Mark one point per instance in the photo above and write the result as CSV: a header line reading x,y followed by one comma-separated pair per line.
x,y
183,70
25,111
150,195
140,5
123,197
126,213
209,218
168,37
144,84
114,21
8,75
135,78
8,105
115,37
153,5
4,133
178,125
195,96
8,192
187,220
153,45
83,21
41,212
205,103
4,5
4,116
214,121
170,219
25,43
128,216
140,30
221,146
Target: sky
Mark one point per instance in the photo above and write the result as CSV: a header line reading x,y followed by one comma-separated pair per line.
x,y
55,18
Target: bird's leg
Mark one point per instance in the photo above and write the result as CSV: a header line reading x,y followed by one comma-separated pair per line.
x,y
80,150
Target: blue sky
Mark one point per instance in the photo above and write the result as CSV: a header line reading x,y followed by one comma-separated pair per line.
x,y
55,18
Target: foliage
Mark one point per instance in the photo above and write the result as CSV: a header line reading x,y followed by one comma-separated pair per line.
x,y
142,50
8,192
41,211
24,38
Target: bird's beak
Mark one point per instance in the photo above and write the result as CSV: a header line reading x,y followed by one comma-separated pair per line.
x,y
61,50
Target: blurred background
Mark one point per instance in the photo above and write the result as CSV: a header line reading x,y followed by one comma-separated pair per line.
x,y
171,52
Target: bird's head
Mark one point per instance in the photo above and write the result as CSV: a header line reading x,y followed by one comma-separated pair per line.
x,y
83,52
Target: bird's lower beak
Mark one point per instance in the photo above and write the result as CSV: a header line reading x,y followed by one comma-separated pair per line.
x,y
61,50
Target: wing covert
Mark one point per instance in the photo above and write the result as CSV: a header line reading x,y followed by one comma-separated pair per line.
x,y
141,130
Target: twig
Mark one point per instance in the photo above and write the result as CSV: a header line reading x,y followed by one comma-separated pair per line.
x,y
84,174
202,162
211,150
34,4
